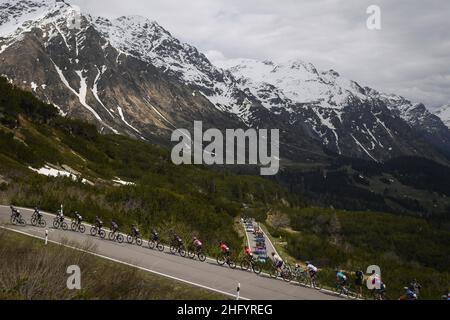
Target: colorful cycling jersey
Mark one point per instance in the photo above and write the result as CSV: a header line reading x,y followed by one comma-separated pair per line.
x,y
411,295
197,243
248,251
341,277
223,247
311,268
276,259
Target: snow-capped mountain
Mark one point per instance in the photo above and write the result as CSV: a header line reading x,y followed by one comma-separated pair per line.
x,y
444,114
130,75
342,113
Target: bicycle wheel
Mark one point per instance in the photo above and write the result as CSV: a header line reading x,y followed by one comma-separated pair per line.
x,y
119,238
220,260
201,257
316,284
257,268
191,254
139,241
245,265
273,273
34,221
302,278
112,236
12,220
93,231
160,246
42,223
151,244
102,233
231,264
182,252
129,239
64,226
82,228
55,224
73,226
173,249
286,275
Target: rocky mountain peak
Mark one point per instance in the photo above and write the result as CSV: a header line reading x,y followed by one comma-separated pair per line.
x,y
130,75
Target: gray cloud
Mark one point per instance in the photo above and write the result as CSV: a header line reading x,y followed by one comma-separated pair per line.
x,y
409,56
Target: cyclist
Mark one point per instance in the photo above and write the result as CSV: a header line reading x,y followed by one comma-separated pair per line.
x,y
134,230
197,244
114,226
154,235
409,294
277,261
177,241
37,213
60,215
379,286
341,279
224,249
248,252
311,269
98,222
359,279
15,212
78,218
415,287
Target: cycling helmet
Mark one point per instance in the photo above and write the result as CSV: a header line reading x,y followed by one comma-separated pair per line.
x,y
308,262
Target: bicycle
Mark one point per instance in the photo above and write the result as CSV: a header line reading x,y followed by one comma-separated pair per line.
x,y
59,222
344,289
35,214
178,248
16,219
223,259
77,226
315,282
38,221
136,236
251,262
193,251
96,230
285,273
300,275
114,235
378,294
155,244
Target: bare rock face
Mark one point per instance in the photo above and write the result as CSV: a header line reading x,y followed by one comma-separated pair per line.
x,y
131,76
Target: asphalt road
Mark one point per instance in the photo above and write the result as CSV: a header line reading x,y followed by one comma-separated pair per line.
x,y
252,243
207,274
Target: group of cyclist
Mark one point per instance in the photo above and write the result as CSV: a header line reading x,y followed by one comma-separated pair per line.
x,y
412,291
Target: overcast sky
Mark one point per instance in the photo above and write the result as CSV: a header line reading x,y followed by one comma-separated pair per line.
x,y
410,56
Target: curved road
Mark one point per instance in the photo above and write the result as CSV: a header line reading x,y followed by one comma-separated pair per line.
x,y
207,274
